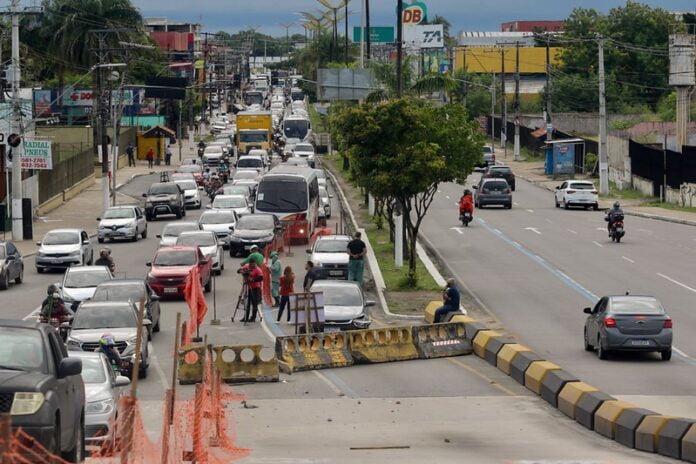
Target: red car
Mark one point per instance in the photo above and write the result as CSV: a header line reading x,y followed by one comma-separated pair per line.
x,y
194,169
171,266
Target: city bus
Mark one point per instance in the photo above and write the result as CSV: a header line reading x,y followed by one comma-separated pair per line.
x,y
292,194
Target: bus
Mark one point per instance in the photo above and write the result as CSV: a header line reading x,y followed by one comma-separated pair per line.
x,y
296,128
292,194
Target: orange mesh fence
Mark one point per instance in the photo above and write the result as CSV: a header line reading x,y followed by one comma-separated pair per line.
x,y
319,231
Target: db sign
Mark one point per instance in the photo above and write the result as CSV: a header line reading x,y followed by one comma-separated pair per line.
x,y
415,13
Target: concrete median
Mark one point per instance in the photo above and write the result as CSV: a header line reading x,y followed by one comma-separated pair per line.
x,y
441,340
648,431
507,354
535,373
382,345
481,340
430,309
669,438
244,363
474,328
191,362
570,396
588,405
553,383
688,447
608,414
628,423
314,351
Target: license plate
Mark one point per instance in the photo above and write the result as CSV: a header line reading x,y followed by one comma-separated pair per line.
x,y
336,273
640,342
247,247
331,328
171,290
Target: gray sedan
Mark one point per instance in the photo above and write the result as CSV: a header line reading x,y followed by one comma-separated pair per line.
x,y
628,323
493,192
344,305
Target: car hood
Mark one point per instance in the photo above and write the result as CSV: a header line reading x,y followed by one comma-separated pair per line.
x,y
21,380
252,234
214,154
116,222
121,334
208,250
78,294
217,227
162,197
330,258
97,392
168,240
168,271
59,248
342,313
192,192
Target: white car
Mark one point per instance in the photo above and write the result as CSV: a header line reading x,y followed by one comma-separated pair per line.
x,y
62,248
306,151
262,153
192,196
321,177
237,203
213,154
219,221
245,174
324,203
173,229
79,283
207,242
122,222
581,193
251,162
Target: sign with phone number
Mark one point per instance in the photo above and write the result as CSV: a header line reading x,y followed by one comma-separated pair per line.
x,y
37,155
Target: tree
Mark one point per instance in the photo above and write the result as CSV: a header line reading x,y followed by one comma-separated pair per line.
x,y
404,148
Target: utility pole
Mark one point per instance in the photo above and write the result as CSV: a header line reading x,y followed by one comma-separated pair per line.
x,y
517,102
362,35
493,110
547,98
367,30
399,46
503,121
16,128
102,136
603,156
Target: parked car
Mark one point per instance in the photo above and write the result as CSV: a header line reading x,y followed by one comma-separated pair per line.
x,y
41,387
62,248
170,268
122,222
11,265
487,157
79,283
628,323
131,290
119,318
321,177
581,193
255,229
219,221
172,230
492,192
103,391
164,198
206,241
344,305
330,256
305,151
505,172
192,196
237,203
196,170
324,203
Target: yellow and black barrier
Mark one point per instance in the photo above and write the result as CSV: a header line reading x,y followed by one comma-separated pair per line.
x,y
382,345
314,351
441,340
628,423
191,364
244,363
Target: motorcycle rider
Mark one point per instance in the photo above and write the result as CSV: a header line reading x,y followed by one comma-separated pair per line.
x,y
201,148
54,306
466,203
612,215
105,259
107,345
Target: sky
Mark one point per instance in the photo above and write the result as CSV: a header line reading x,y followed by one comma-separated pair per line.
x,y
469,15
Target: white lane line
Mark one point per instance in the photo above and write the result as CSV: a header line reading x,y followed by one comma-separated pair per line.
x,y
601,228
598,244
680,352
517,204
572,231
458,229
456,203
677,282
328,382
628,259
533,229
549,221
447,196
439,191
158,367
530,211
516,244
497,231
32,314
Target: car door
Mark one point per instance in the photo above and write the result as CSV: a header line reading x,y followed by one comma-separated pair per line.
x,y
561,192
596,320
14,261
153,304
86,249
66,391
140,221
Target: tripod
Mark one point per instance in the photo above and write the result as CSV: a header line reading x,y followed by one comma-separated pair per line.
x,y
244,302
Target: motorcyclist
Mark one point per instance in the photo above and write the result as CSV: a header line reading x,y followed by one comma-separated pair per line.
x,y
612,215
105,259
466,203
53,306
206,174
201,148
107,345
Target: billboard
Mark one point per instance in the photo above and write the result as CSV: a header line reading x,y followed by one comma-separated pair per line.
x,y
37,155
426,36
413,14
42,102
489,59
378,34
345,84
563,158
74,97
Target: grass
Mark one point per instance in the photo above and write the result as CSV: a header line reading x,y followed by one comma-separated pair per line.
x,y
317,120
672,206
627,194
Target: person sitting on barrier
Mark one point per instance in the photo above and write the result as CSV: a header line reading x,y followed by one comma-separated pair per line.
x,y
254,256
276,269
254,276
287,286
450,300
309,277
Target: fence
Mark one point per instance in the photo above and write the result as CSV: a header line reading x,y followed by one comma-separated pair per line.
x,y
663,166
70,166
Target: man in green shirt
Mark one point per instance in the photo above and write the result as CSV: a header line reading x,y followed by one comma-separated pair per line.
x,y
254,256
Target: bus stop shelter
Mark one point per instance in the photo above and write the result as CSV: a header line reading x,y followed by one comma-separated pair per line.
x,y
564,156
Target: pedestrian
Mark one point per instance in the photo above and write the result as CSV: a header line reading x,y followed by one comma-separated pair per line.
x,y
254,256
287,286
130,151
450,301
356,264
309,277
150,156
276,269
254,276
168,155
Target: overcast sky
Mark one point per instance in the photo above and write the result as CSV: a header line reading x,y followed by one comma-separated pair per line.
x,y
471,15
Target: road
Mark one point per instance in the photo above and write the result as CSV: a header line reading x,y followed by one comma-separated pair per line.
x,y
535,267
397,412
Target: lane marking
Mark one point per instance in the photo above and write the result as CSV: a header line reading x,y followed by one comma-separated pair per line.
x,y
677,282
598,244
601,228
517,204
458,229
572,231
497,231
484,377
533,229
447,196
154,360
549,221
33,314
530,211
628,259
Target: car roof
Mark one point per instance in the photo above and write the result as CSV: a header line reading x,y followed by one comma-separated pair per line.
x,y
85,354
335,283
28,324
611,297
122,207
76,231
122,281
230,195
250,157
586,182
167,249
493,179
333,237
184,223
85,269
108,304
196,232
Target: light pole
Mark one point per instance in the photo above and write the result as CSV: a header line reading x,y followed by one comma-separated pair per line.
x,y
287,27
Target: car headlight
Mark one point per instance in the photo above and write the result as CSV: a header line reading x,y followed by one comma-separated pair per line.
x,y
26,403
75,253
150,277
67,298
234,238
362,323
100,407
74,344
148,203
131,341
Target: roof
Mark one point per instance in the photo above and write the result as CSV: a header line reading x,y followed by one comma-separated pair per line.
x,y
166,249
114,304
77,231
159,131
122,281
551,142
85,268
334,237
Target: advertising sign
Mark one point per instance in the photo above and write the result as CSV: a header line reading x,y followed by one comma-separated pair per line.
x,y
415,13
427,36
86,97
37,155
563,158
42,102
377,34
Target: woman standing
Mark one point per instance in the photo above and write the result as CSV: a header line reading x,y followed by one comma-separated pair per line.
x,y
276,269
287,286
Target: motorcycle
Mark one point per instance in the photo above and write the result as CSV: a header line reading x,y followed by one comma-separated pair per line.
x,y
466,217
617,230
62,327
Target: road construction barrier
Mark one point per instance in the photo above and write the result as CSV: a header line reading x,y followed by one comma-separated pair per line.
x,y
570,396
520,364
553,383
535,373
382,345
628,423
314,351
244,363
441,340
507,354
493,347
607,415
648,433
191,364
430,309
587,407
669,439
473,328
463,318
688,450
481,340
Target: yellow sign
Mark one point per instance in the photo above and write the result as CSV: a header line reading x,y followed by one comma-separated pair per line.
x,y
490,59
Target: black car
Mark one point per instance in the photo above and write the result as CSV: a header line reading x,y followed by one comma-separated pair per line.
x,y
131,290
254,229
41,388
502,171
164,198
11,265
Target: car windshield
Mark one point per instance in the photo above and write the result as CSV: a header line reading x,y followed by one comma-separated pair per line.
x,y
245,175
76,278
282,194
331,246
176,258
234,190
173,230
635,305
247,137
495,185
119,213
217,218
340,296
165,189
93,370
187,185
61,238
2,252
119,292
197,239
581,186
323,193
295,128
104,317
304,147
21,349
501,170
487,150
252,222
190,168
229,202
213,149
248,162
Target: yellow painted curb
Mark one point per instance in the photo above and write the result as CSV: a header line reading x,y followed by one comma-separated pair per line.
x,y
570,396
535,374
481,340
606,416
507,353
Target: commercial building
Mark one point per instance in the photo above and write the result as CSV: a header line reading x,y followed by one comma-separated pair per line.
x,y
533,26
180,40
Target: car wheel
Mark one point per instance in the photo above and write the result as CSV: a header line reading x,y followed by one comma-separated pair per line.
x,y
100,240
156,327
565,205
508,206
595,207
20,278
555,202
601,352
144,234
91,259
148,217
588,347
39,270
183,211
666,354
4,281
142,372
77,453
54,444
618,239
178,213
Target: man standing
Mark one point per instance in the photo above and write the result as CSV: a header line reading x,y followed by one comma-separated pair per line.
x,y
130,151
254,277
254,257
276,270
168,155
309,277
450,301
356,264
150,157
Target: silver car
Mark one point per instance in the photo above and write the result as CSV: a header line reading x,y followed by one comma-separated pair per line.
x,y
172,230
207,242
79,283
324,203
219,221
628,323
237,203
344,305
305,151
122,222
62,248
493,192
192,195
330,256
103,391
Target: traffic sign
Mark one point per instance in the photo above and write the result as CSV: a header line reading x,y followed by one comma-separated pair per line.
x,y
380,34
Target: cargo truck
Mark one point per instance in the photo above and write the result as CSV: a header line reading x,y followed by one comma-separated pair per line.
x,y
254,131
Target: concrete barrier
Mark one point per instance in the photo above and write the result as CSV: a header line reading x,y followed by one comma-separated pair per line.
x,y
535,373
243,363
588,405
688,450
494,346
473,328
481,340
608,414
382,345
507,354
669,439
314,351
441,340
648,431
429,315
463,319
191,363
553,383
570,396
628,423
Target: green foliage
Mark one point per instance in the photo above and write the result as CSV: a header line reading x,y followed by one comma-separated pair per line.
x,y
622,124
667,107
591,162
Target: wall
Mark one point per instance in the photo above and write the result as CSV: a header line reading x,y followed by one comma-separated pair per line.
x,y
643,185
684,196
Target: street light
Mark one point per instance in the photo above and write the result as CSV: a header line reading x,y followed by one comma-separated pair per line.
x,y
287,27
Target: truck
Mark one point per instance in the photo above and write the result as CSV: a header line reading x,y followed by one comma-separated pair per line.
x,y
254,131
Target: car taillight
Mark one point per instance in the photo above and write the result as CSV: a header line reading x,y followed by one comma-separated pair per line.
x,y
507,190
667,324
593,192
609,322
570,191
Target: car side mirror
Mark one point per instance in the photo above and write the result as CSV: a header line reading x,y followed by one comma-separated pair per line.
x,y
204,261
65,325
331,196
475,187
85,242
121,381
69,367
208,206
158,235
200,187
148,264
587,310
558,187
38,243
308,251
370,303
155,297
98,219
144,195
147,322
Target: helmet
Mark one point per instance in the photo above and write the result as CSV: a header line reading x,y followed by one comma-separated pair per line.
x,y
617,204
52,289
107,339
467,192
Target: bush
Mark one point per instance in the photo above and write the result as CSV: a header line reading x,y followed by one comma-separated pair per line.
x,y
622,124
590,163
